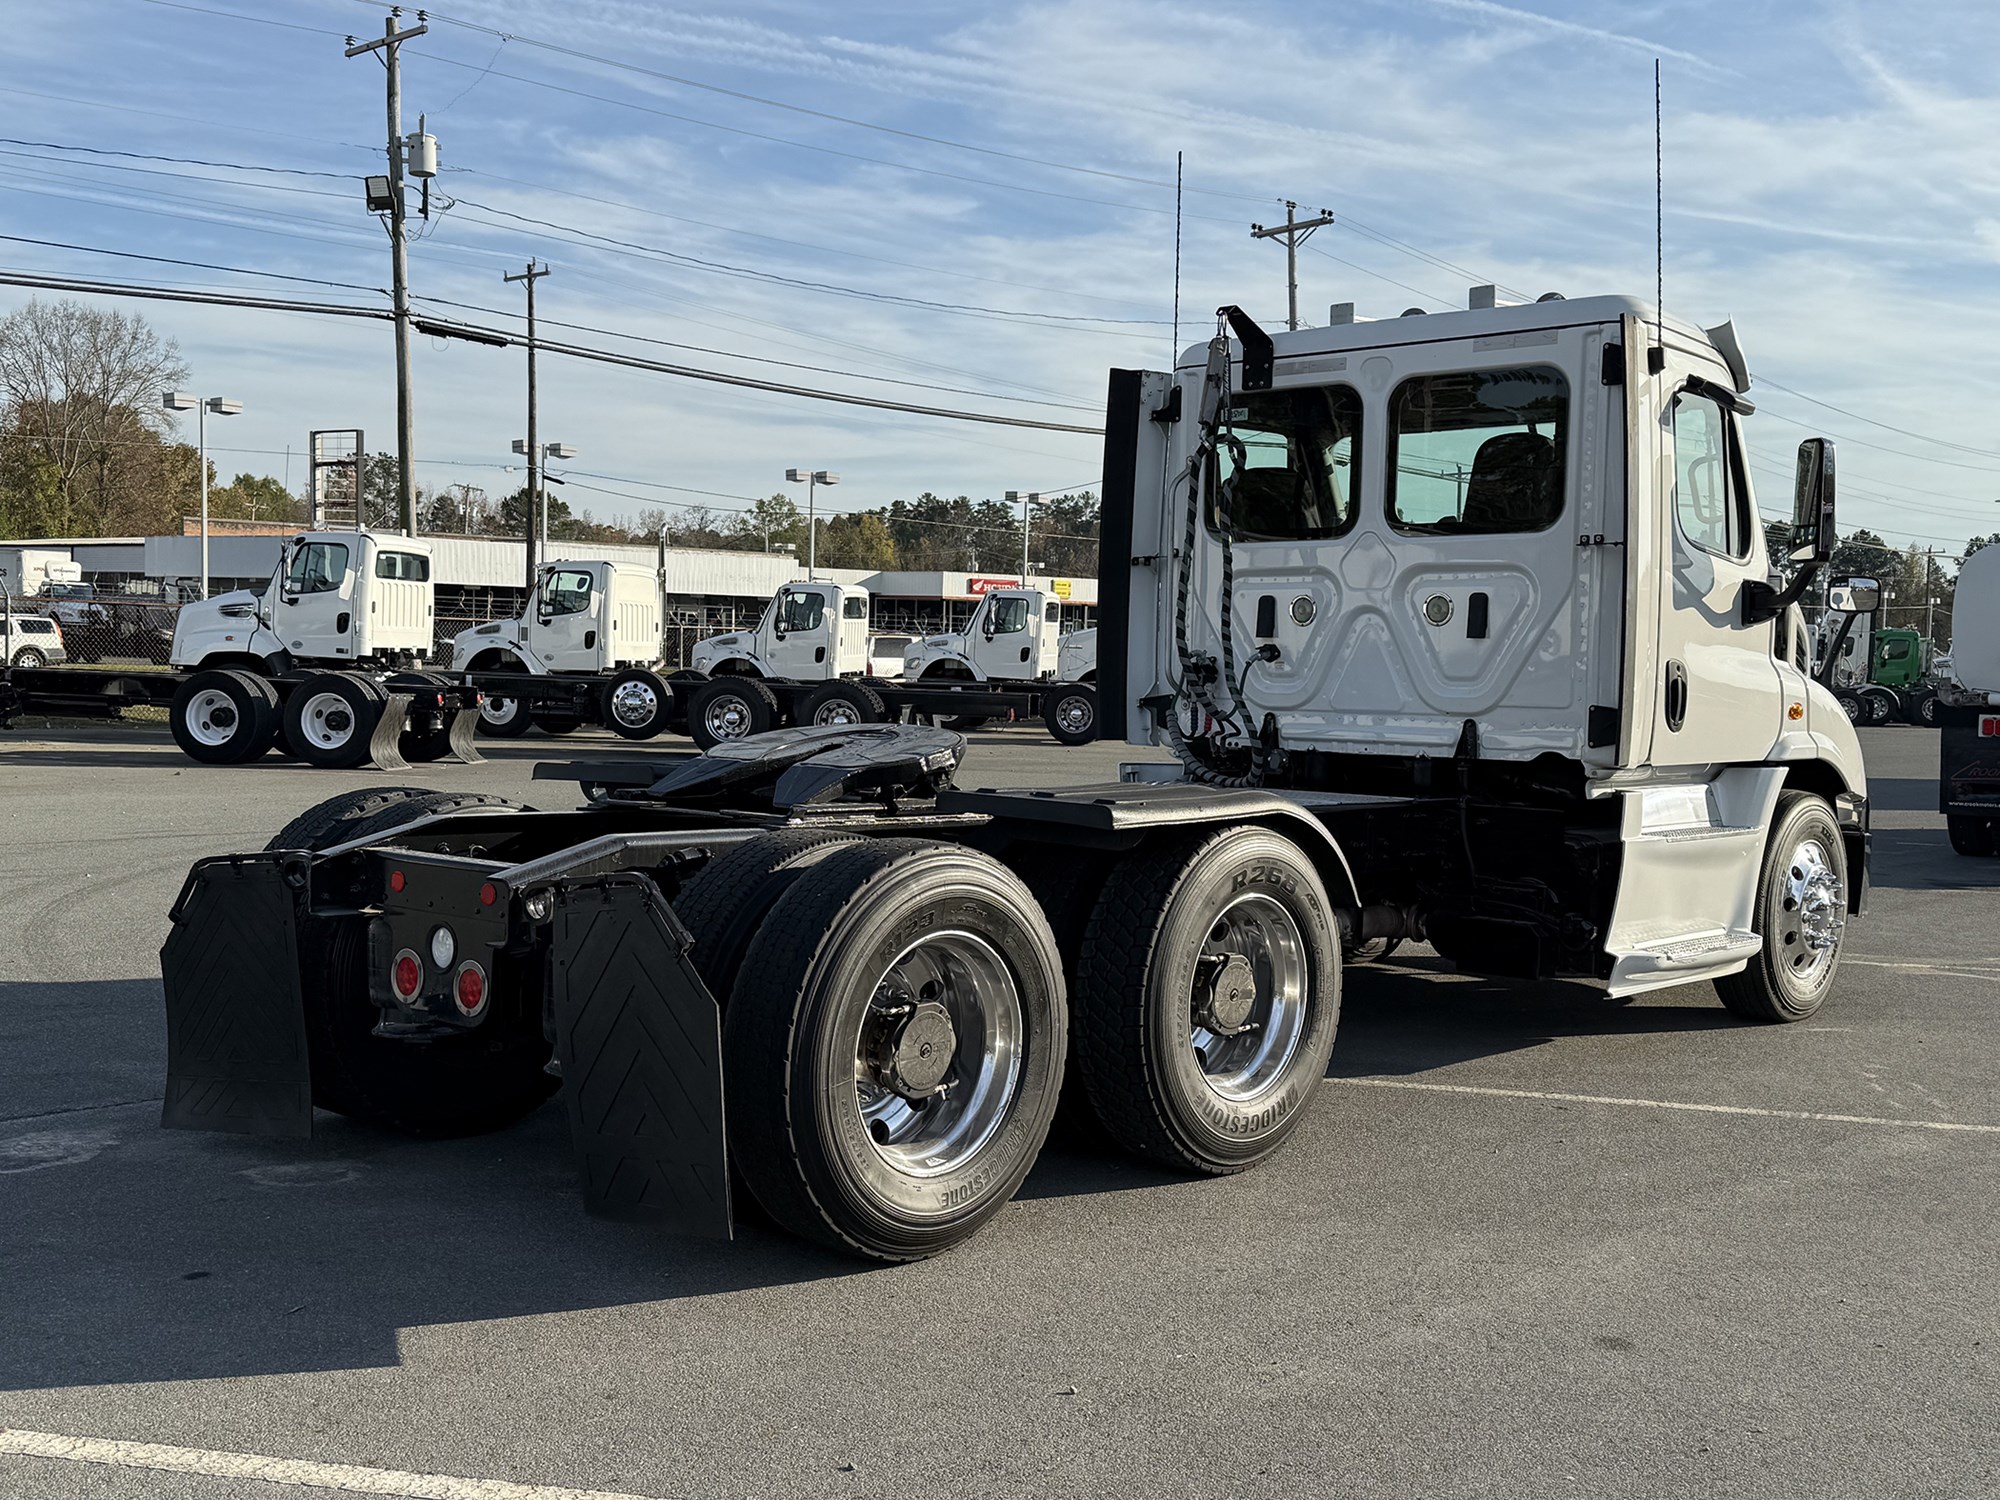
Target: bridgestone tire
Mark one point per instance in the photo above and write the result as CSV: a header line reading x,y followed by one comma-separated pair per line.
x,y
728,899
1782,983
1070,712
330,719
224,717
505,718
637,704
1972,836
461,1085
866,920
731,708
1138,1015
842,703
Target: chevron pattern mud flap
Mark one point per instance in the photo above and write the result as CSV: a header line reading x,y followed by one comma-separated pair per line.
x,y
464,725
236,1033
385,743
640,1042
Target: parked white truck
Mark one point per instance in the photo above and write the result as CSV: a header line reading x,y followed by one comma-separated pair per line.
x,y
25,571
807,661
1968,710
1459,627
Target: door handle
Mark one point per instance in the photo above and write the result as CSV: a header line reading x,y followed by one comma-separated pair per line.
x,y
1677,695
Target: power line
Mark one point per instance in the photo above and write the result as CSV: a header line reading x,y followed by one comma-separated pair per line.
x,y
199,265
188,161
1922,458
1873,422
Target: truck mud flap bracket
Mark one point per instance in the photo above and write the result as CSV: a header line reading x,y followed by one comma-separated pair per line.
x,y
236,1034
639,1039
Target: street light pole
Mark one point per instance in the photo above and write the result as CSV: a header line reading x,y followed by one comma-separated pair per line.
x,y
222,406
812,479
1028,502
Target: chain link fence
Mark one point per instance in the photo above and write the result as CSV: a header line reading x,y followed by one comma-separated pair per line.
x,y
117,629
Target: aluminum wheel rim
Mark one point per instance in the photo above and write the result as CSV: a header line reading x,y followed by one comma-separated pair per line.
x,y
500,711
727,717
1811,914
327,720
967,976
836,711
30,657
1246,1065
635,704
1073,714
1855,710
201,718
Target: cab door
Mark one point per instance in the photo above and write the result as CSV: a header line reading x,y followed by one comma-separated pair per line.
x,y
802,634
1004,643
1718,698
568,620
315,617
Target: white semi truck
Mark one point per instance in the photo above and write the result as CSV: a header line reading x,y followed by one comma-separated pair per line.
x,y
807,662
1968,710
1460,627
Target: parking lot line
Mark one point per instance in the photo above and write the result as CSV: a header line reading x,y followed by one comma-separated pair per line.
x,y
1675,1104
352,1478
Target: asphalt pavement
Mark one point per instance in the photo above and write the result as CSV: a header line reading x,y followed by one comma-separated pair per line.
x,y
1529,1242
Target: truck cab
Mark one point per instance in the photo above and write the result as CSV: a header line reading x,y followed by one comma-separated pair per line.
x,y
336,598
586,617
1514,549
1012,637
809,632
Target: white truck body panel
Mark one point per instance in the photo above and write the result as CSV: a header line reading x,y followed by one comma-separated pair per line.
x,y
24,570
809,632
1013,636
337,596
1975,625
1076,656
591,616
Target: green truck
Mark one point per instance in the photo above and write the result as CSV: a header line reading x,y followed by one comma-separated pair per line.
x,y
1897,685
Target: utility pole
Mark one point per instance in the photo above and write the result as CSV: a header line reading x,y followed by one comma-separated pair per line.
x,y
531,275
390,44
1294,232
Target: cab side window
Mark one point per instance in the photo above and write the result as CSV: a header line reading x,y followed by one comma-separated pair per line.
x,y
853,609
1005,616
802,609
1709,496
317,568
411,567
565,592
1052,612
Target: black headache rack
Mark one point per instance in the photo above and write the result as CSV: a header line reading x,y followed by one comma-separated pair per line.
x,y
1968,761
636,1033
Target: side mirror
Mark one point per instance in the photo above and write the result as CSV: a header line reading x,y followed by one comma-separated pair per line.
x,y
1855,596
1813,535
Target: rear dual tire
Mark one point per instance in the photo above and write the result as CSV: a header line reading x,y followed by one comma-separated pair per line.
x,y
330,719
726,709
224,717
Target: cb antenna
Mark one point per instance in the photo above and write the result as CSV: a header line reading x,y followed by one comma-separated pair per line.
x,y
1656,357
1175,352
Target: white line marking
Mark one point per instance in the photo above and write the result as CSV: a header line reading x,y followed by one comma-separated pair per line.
x,y
1699,1109
350,1477
1951,973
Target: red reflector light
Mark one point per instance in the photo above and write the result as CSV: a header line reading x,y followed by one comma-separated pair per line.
x,y
471,992
407,975
488,894
396,881
1989,727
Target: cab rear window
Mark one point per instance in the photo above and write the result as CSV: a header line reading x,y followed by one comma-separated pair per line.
x,y
1287,465
411,567
1478,451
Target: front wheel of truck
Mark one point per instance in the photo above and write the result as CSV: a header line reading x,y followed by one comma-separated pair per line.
x,y
1801,915
1972,836
894,1053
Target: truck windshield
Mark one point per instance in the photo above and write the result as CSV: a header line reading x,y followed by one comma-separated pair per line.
x,y
1294,478
317,568
1478,451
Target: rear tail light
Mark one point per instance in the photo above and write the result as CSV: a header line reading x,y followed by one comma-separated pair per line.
x,y
406,975
469,992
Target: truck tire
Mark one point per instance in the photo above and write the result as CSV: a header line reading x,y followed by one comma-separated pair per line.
x,y
1070,711
555,721
637,704
330,719
731,708
1879,705
1066,882
1369,951
316,828
1973,836
677,705
1923,708
224,718
728,899
842,703
1208,997
505,718
1800,914
1851,705
894,1054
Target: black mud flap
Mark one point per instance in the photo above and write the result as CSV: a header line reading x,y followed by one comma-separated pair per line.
x,y
385,745
639,1038
236,1034
464,726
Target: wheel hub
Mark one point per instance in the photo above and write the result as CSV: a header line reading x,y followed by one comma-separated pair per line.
x,y
1812,911
634,703
915,1054
1226,994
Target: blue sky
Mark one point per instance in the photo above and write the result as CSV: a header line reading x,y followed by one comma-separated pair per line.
x,y
1831,184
